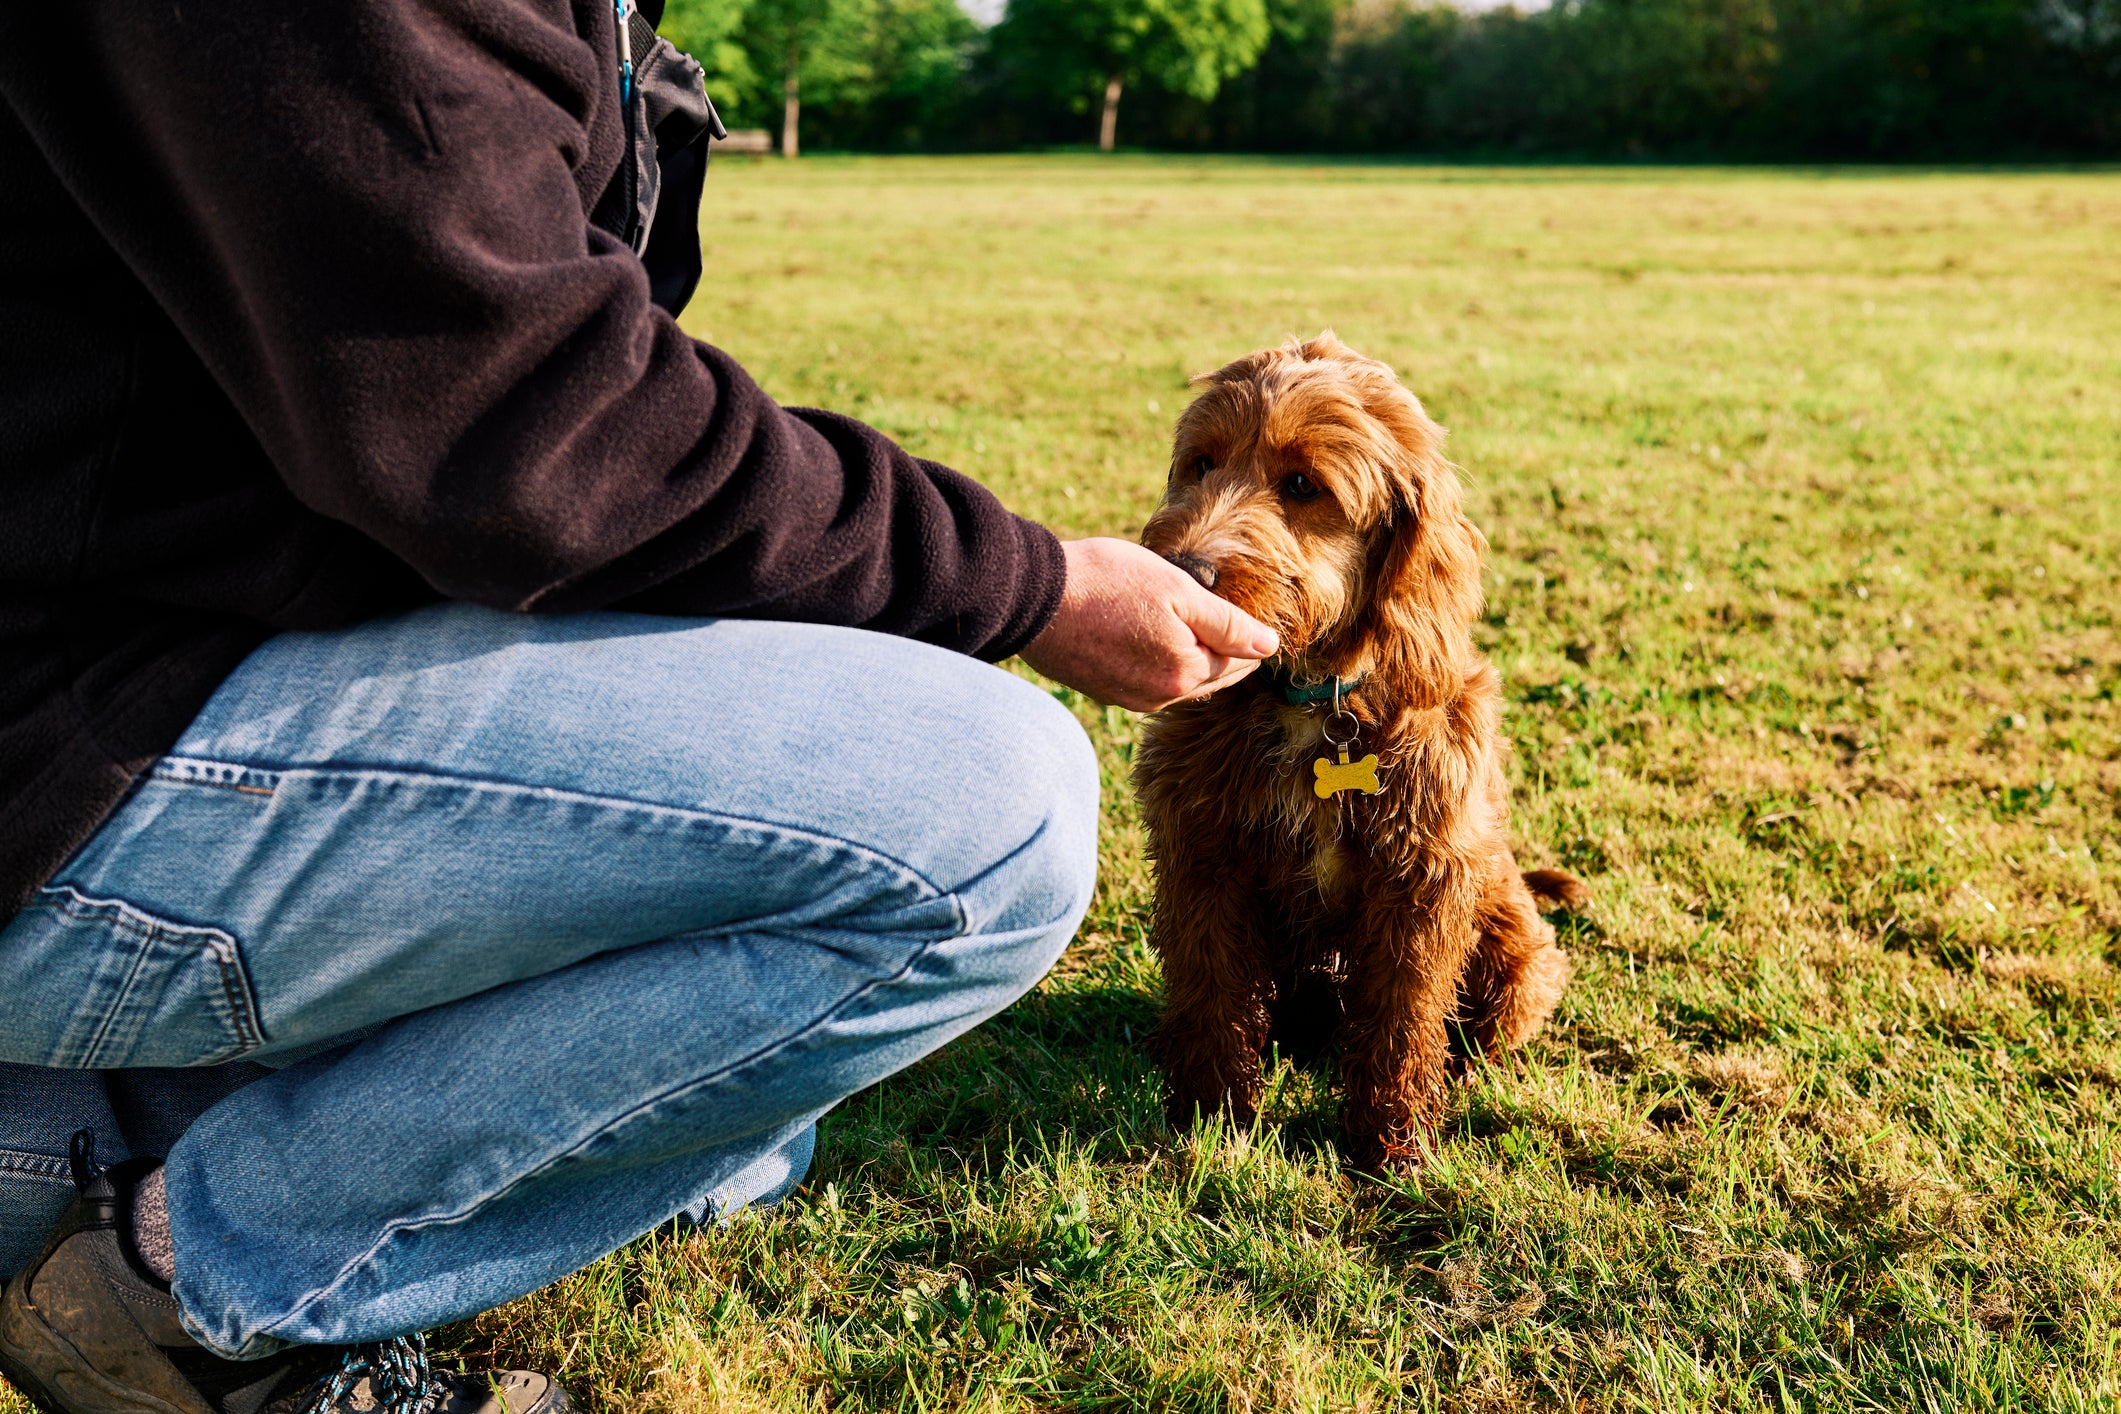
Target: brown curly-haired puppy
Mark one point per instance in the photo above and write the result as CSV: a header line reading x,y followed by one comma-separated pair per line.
x,y
1292,903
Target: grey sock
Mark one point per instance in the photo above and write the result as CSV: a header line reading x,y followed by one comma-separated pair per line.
x,y
151,1227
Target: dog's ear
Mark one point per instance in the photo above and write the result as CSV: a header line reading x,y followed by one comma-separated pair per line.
x,y
1425,593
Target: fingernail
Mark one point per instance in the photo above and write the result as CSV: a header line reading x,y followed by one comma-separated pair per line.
x,y
1266,645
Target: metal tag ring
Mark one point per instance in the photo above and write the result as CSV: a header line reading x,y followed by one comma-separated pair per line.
x,y
1354,728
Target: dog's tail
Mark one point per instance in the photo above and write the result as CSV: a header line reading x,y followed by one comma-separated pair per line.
x,y
1556,891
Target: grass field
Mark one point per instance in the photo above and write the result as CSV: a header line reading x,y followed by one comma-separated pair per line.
x,y
1806,553
1803,492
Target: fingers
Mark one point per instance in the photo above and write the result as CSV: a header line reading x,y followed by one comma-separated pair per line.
x,y
1222,627
1134,630
1223,671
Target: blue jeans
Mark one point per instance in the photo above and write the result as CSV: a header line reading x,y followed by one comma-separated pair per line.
x,y
530,935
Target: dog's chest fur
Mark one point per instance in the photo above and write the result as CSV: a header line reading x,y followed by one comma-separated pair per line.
x,y
1254,760
1316,830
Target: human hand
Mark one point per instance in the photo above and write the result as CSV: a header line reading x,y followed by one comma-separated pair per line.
x,y
1135,630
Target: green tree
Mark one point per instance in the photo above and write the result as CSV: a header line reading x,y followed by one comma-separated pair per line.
x,y
1286,99
794,38
708,30
1079,47
895,73
886,73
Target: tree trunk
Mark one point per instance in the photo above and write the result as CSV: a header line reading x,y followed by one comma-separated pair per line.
x,y
1108,131
791,114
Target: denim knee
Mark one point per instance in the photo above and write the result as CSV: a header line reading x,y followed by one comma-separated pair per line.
x,y
1045,884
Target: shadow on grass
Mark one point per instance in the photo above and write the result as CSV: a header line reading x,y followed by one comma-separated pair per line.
x,y
1069,1065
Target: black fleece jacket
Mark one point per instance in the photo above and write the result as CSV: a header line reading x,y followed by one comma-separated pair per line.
x,y
302,322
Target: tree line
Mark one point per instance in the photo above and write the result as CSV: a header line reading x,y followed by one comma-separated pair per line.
x,y
1739,79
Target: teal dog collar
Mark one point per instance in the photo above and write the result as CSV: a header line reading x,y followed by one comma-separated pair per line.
x,y
1310,694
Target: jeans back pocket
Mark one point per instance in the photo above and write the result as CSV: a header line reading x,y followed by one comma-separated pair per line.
x,y
97,984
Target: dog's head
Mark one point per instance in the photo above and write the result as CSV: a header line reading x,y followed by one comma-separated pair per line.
x,y
1310,489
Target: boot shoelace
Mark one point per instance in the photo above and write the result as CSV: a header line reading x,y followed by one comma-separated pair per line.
x,y
399,1381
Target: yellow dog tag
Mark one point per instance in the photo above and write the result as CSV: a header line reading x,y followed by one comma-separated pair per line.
x,y
1333,779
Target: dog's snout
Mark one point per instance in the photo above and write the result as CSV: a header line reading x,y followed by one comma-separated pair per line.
x,y
1200,569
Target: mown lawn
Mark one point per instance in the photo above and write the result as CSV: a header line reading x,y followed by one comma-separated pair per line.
x,y
1806,553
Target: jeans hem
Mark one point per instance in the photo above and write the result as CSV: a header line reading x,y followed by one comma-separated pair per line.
x,y
302,1308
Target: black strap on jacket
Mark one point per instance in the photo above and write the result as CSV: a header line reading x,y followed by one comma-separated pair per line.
x,y
670,121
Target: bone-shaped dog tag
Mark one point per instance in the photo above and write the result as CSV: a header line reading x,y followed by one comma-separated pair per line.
x,y
1335,778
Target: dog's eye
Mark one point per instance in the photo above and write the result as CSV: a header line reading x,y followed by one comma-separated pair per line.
x,y
1202,466
1299,487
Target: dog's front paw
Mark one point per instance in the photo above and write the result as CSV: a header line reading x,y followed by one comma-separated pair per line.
x,y
1393,1131
1374,1153
1190,1104
1205,1090
1207,1074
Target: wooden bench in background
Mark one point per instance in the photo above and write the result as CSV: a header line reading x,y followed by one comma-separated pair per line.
x,y
753,140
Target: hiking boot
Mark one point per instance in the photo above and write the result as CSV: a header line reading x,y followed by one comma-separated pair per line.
x,y
392,1377
86,1329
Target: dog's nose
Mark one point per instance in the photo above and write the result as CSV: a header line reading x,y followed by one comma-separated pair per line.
x,y
1200,569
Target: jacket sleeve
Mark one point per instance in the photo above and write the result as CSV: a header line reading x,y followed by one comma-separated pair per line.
x,y
367,216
